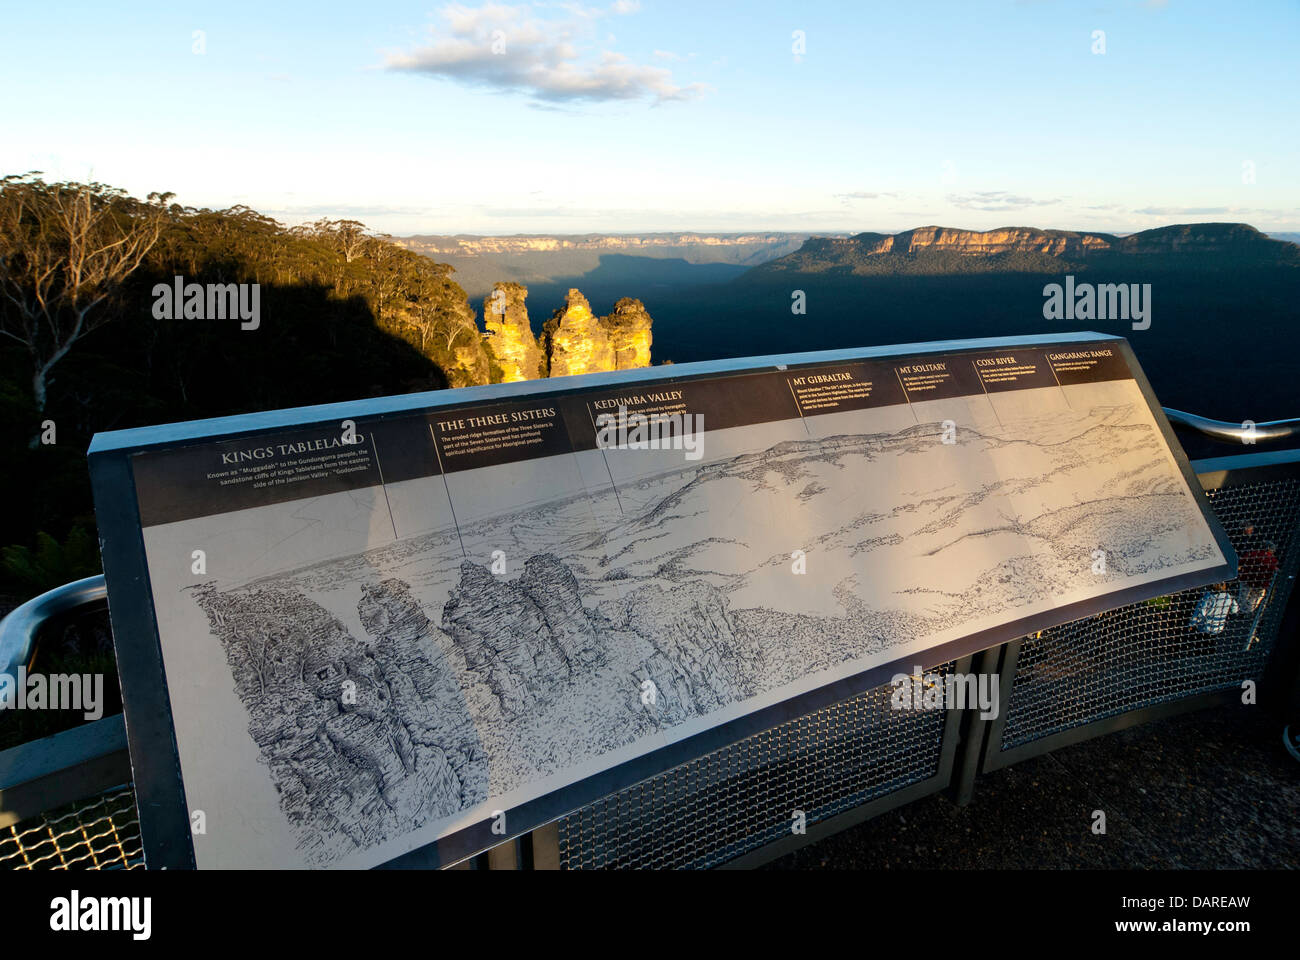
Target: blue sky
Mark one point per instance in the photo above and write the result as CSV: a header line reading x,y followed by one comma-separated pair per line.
x,y
626,116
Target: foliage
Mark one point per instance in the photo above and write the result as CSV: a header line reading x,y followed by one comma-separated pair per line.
x,y
50,563
65,251
344,314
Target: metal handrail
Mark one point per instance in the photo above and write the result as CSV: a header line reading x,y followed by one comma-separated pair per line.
x,y
1246,432
18,630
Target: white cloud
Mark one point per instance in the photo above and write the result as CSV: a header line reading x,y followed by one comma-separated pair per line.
x,y
846,198
1187,211
995,201
513,48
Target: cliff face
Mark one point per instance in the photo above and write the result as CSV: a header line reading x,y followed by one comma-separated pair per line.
x,y
478,246
554,589
471,364
575,339
530,639
629,334
509,334
936,241
942,250
1055,243
699,664
523,637
365,738
502,634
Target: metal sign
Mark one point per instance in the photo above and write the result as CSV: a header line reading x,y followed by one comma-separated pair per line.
x,y
400,631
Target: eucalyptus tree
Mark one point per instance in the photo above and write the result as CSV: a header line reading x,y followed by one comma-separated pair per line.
x,y
65,251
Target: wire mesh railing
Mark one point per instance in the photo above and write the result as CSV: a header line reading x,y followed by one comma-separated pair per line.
x,y
101,833
742,797
1173,647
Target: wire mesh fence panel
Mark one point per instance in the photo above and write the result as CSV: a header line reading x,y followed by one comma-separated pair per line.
x,y
1169,648
744,796
741,797
102,833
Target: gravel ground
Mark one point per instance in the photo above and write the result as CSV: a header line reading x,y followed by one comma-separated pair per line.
x,y
1208,790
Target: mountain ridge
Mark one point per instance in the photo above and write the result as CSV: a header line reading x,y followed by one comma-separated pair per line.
x,y
430,244
605,262
935,249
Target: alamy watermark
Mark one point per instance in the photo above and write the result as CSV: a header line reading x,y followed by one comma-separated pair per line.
x,y
952,691
179,300
75,913
658,431
1103,301
54,691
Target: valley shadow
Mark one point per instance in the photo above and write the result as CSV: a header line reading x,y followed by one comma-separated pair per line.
x,y
138,370
1220,343
621,275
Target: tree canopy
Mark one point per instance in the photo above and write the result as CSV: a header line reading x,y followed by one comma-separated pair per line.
x,y
347,313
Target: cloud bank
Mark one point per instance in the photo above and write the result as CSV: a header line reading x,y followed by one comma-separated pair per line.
x,y
992,201
515,49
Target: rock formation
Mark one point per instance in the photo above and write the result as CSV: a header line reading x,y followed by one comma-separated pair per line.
x,y
699,664
575,339
365,739
944,250
524,637
530,639
553,587
442,326
629,333
509,335
1056,243
471,363
388,610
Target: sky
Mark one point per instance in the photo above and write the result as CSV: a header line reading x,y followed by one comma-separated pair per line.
x,y
634,116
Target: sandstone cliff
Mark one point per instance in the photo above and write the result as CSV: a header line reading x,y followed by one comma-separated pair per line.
x,y
434,246
699,663
500,637
629,334
523,638
471,364
509,334
365,738
942,250
530,640
575,340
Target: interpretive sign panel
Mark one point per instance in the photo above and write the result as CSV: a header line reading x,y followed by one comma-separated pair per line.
x,y
401,630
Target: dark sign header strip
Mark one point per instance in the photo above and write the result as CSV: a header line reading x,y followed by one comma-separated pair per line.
x,y
226,475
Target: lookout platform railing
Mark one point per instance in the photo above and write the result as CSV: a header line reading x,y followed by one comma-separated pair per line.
x,y
66,801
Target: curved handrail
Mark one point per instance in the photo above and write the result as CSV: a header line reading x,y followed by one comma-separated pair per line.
x,y
1226,432
18,629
